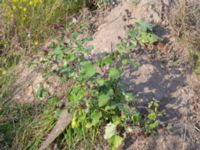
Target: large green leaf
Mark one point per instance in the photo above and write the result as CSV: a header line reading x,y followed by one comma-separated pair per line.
x,y
103,100
88,70
114,73
96,116
115,141
108,60
153,38
70,57
76,94
147,38
152,116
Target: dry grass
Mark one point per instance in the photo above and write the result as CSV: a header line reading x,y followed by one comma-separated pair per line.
x,y
186,23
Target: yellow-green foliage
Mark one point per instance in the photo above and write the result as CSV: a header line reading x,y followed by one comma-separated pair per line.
x,y
30,21
18,8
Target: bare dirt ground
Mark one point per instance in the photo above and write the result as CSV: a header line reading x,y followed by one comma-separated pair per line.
x,y
164,77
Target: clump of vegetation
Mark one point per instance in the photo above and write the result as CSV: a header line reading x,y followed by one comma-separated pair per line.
x,y
96,98
142,33
98,102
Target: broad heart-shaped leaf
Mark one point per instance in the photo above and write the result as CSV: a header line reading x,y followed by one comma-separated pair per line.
x,y
108,60
103,100
96,116
114,73
110,130
115,141
88,70
70,57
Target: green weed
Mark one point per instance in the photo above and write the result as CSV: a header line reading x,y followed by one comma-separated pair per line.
x,y
96,96
97,100
140,33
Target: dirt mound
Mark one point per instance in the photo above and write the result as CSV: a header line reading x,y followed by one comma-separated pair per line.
x,y
107,35
156,11
158,77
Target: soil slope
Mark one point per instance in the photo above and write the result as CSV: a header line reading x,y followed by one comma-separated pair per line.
x,y
164,77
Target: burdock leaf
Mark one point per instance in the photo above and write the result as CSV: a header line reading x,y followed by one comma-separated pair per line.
x,y
115,141
114,73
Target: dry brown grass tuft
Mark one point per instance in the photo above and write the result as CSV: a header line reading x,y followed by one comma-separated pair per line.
x,y
186,23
